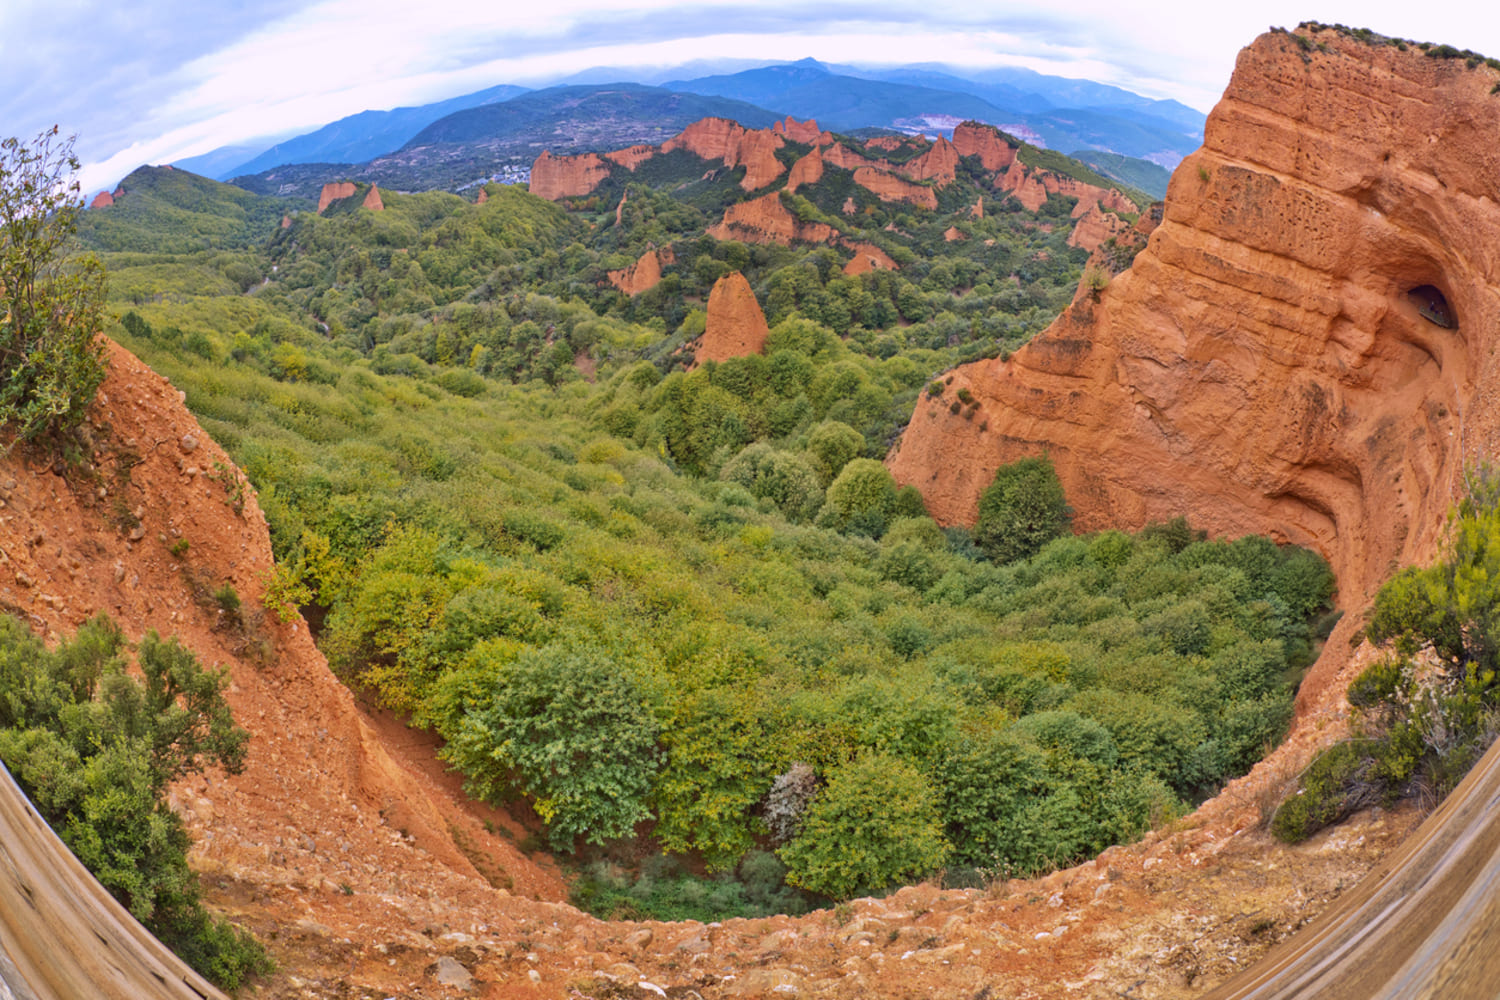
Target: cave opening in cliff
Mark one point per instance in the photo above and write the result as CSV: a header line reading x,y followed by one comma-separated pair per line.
x,y
1433,306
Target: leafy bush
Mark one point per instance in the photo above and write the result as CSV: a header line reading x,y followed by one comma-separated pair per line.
x,y
52,362
1021,511
861,500
875,825
95,749
565,726
1418,730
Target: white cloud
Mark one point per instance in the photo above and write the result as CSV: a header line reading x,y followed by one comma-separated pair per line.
x,y
338,57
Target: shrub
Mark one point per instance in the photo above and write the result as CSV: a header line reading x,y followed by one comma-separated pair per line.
x,y
1022,510
830,447
565,726
875,825
96,749
785,479
51,361
1334,785
861,500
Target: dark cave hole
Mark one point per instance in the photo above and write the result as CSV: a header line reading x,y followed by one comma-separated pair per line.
x,y
1433,306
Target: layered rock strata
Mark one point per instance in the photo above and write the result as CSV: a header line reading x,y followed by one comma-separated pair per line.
x,y
1261,367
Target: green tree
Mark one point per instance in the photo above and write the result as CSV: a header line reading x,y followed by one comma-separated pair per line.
x,y
1022,510
95,749
830,447
874,826
565,726
862,499
783,478
51,361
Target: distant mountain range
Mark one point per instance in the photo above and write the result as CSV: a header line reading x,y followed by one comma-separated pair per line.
x,y
1093,116
461,140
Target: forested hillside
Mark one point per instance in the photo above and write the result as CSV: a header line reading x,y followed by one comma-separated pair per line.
x,y
685,603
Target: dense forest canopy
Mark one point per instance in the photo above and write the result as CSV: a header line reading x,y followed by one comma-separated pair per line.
x,y
644,597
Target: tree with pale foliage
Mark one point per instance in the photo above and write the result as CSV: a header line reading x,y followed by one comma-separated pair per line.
x,y
51,361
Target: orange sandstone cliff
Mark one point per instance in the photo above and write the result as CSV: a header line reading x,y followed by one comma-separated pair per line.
x,y
985,142
644,274
1262,367
726,141
554,177
767,220
736,327
334,191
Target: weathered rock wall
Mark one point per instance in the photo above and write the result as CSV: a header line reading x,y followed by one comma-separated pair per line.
x,y
1261,367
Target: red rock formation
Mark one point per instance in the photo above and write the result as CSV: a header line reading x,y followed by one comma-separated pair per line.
x,y
631,156
1150,218
758,154
1028,190
840,155
808,170
556,177
977,210
372,200
869,257
736,327
620,208
102,200
484,196
644,274
954,235
335,191
889,143
767,220
938,164
849,207
709,139
724,140
1094,227
806,132
888,187
1260,367
1112,200
985,142
286,222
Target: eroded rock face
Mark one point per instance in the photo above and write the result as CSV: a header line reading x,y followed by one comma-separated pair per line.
x,y
1027,189
644,274
806,132
335,191
726,141
1261,368
869,257
889,187
102,200
1094,227
736,327
767,220
986,142
938,164
554,177
372,200
631,156
808,170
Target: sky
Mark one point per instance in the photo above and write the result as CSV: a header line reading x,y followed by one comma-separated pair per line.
x,y
152,81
